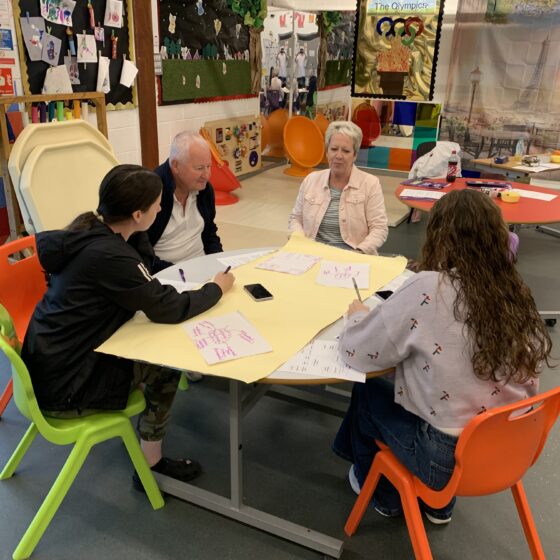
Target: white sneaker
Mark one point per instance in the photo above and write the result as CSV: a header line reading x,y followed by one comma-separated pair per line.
x,y
354,484
192,376
436,520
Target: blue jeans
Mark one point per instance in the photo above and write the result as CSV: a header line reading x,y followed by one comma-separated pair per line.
x,y
426,452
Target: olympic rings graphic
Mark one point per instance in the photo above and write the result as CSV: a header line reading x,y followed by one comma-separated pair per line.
x,y
404,29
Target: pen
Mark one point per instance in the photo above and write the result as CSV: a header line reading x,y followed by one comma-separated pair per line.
x,y
356,288
227,269
182,275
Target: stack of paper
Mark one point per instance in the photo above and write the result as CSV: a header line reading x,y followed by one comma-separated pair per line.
x,y
418,194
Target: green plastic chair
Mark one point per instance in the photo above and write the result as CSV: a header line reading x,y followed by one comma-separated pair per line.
x,y
83,432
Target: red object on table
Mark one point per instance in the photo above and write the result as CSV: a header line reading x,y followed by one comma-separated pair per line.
x,y
526,211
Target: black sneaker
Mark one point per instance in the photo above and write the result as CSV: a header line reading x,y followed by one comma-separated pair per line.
x,y
184,470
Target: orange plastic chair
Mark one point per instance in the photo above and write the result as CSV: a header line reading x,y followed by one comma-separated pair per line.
x,y
304,145
493,453
276,122
22,285
323,123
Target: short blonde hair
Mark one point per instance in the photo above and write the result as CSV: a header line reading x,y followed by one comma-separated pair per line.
x,y
348,128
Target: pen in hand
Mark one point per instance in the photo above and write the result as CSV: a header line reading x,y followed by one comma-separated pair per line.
x,y
182,275
356,288
227,269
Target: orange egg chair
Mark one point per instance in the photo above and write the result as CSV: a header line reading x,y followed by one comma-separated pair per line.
x,y
304,145
276,122
323,123
366,117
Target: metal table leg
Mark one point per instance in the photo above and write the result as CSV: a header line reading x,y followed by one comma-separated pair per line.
x,y
234,507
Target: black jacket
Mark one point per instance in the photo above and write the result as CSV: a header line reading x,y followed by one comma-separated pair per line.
x,y
206,204
97,282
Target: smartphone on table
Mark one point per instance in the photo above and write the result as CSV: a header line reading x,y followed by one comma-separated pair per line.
x,y
258,292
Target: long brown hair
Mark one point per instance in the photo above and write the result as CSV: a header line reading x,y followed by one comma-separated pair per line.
x,y
468,240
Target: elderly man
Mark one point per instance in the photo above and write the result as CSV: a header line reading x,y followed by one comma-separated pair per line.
x,y
185,228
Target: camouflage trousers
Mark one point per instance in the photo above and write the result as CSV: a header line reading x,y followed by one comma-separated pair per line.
x,y
159,385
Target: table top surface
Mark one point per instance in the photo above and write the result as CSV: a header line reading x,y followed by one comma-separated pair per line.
x,y
526,211
510,165
201,269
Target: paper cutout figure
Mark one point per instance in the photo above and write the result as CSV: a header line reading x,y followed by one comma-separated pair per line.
x,y
184,80
113,14
340,274
87,51
225,338
114,44
33,30
224,68
128,73
196,55
217,26
57,80
103,75
71,63
51,49
163,52
172,18
185,53
91,15
237,30
58,11
197,82
200,7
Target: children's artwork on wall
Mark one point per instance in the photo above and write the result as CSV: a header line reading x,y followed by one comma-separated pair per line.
x,y
33,31
196,41
87,51
71,63
395,53
57,80
334,111
51,49
58,11
113,13
84,41
393,130
103,75
503,79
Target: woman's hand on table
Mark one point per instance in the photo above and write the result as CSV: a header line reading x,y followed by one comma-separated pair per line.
x,y
356,306
225,280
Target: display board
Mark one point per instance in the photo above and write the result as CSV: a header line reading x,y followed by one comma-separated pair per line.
x,y
238,141
396,48
340,44
204,50
51,33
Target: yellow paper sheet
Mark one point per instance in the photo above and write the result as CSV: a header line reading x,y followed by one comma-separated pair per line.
x,y
299,310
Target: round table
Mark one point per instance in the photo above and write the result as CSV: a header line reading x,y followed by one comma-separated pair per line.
x,y
526,211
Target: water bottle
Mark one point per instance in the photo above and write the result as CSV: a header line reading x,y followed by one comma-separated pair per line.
x,y
519,149
452,167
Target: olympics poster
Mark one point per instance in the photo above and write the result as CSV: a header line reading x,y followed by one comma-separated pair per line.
x,y
396,46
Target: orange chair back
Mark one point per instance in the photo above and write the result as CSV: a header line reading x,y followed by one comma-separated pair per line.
x,y
497,447
22,282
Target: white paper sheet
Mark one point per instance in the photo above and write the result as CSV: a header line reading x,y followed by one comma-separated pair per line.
x,y
419,194
320,358
57,80
340,274
225,338
238,260
103,75
128,73
536,195
179,285
290,263
535,168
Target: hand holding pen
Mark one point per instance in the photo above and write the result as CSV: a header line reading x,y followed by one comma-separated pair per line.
x,y
225,279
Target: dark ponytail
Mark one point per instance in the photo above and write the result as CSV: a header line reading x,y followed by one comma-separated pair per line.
x,y
123,191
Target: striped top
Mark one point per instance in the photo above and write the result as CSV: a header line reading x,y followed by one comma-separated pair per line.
x,y
329,229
